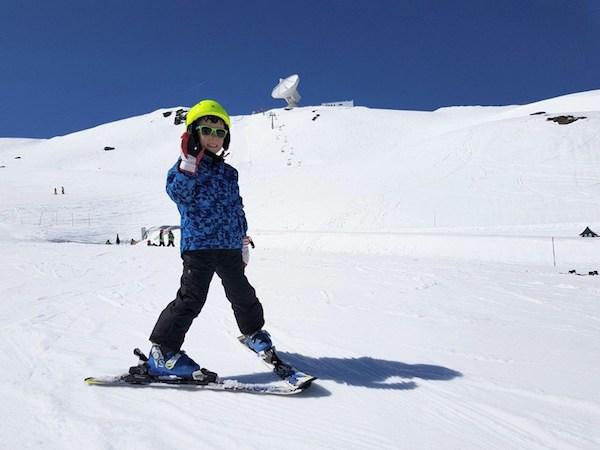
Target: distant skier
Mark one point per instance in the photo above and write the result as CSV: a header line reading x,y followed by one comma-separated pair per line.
x,y
171,238
118,241
161,238
213,229
63,190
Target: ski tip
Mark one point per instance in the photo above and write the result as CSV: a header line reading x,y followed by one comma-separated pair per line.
x,y
89,380
306,384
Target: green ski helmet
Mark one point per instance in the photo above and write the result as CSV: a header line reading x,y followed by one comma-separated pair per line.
x,y
209,107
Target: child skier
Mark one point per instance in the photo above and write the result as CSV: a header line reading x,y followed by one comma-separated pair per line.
x,y
213,240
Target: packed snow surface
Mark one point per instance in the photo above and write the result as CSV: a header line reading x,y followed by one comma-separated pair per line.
x,y
416,262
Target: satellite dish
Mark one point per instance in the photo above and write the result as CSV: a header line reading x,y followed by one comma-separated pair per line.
x,y
287,89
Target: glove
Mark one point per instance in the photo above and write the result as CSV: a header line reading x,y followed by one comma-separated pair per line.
x,y
191,153
246,250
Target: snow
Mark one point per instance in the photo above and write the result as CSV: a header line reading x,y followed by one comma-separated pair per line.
x,y
405,258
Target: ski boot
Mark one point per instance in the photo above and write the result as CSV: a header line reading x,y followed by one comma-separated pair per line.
x,y
164,362
259,341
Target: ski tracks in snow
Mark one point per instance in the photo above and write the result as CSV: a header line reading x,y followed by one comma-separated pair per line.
x,y
409,353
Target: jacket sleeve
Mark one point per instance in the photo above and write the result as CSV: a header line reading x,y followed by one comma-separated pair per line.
x,y
180,186
243,220
241,213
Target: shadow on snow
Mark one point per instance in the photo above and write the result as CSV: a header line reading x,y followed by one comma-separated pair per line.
x,y
364,372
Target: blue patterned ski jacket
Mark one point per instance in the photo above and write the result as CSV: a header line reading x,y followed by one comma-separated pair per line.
x,y
209,202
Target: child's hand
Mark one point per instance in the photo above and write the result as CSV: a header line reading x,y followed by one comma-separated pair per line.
x,y
246,250
189,154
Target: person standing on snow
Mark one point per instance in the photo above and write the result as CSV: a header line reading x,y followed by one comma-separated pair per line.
x,y
213,240
171,239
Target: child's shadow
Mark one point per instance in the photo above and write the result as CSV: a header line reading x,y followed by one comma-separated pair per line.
x,y
365,371
369,372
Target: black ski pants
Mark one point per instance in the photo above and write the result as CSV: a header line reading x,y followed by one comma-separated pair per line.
x,y
199,266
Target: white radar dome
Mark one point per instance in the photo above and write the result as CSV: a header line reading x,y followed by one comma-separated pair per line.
x,y
287,89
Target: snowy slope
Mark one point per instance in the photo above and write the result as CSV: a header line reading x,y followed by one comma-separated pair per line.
x,y
405,258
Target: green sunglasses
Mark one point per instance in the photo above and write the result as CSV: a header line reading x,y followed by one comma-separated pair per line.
x,y
207,131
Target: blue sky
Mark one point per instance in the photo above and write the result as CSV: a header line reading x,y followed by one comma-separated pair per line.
x,y
67,66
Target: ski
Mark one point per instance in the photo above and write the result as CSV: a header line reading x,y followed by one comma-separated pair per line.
x,y
138,376
221,385
295,378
